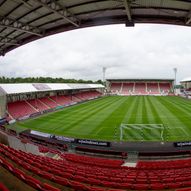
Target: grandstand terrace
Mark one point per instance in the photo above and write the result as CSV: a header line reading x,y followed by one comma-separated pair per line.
x,y
140,86
25,100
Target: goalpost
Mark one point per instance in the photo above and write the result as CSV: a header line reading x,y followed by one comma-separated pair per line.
x,y
155,132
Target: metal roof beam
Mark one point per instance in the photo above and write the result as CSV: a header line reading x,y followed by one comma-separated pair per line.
x,y
19,26
58,9
188,21
188,18
8,41
128,9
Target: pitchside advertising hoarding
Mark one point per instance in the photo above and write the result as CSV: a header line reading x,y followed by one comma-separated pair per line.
x,y
92,142
51,136
183,144
72,140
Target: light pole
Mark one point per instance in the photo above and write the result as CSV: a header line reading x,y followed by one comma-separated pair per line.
x,y
175,71
104,82
104,70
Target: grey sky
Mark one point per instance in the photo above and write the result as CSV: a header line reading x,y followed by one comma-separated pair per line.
x,y
143,51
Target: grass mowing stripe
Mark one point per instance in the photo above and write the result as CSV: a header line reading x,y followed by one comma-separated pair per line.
x,y
154,110
103,115
145,114
86,115
174,119
70,110
181,105
154,116
105,112
165,117
183,116
116,114
46,119
134,112
59,126
138,118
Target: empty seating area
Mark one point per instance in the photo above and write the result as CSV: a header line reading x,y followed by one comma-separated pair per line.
x,y
48,102
153,88
116,87
62,99
87,95
165,87
140,88
38,105
127,88
91,174
93,160
20,109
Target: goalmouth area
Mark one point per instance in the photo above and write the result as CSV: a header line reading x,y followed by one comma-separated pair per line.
x,y
140,131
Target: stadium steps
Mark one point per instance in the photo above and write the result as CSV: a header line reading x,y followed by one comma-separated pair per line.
x,y
31,105
43,104
54,101
132,160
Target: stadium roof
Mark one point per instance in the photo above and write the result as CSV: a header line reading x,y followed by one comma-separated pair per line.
x,y
23,21
40,87
186,79
140,79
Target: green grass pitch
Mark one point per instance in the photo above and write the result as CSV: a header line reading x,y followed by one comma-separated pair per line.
x,y
101,119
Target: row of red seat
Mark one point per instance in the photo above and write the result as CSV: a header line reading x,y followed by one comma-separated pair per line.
x,y
30,163
82,159
173,164
33,182
65,172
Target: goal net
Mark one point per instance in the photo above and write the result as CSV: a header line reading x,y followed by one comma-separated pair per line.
x,y
142,132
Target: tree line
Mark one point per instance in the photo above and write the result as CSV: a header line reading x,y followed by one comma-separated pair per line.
x,y
44,80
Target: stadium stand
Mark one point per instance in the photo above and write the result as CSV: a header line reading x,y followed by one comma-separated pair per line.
x,y
19,109
91,173
61,100
48,102
153,88
37,105
127,88
165,87
140,88
116,87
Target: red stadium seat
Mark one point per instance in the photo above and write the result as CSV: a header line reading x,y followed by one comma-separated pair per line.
x,y
33,182
78,186
60,180
157,186
47,187
3,187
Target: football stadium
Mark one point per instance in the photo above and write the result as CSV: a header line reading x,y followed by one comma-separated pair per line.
x,y
124,134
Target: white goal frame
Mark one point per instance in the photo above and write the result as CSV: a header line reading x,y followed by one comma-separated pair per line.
x,y
140,127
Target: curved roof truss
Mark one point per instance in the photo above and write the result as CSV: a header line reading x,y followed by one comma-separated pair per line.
x,y
22,21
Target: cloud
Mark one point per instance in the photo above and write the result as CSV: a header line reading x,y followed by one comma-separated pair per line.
x,y
141,51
